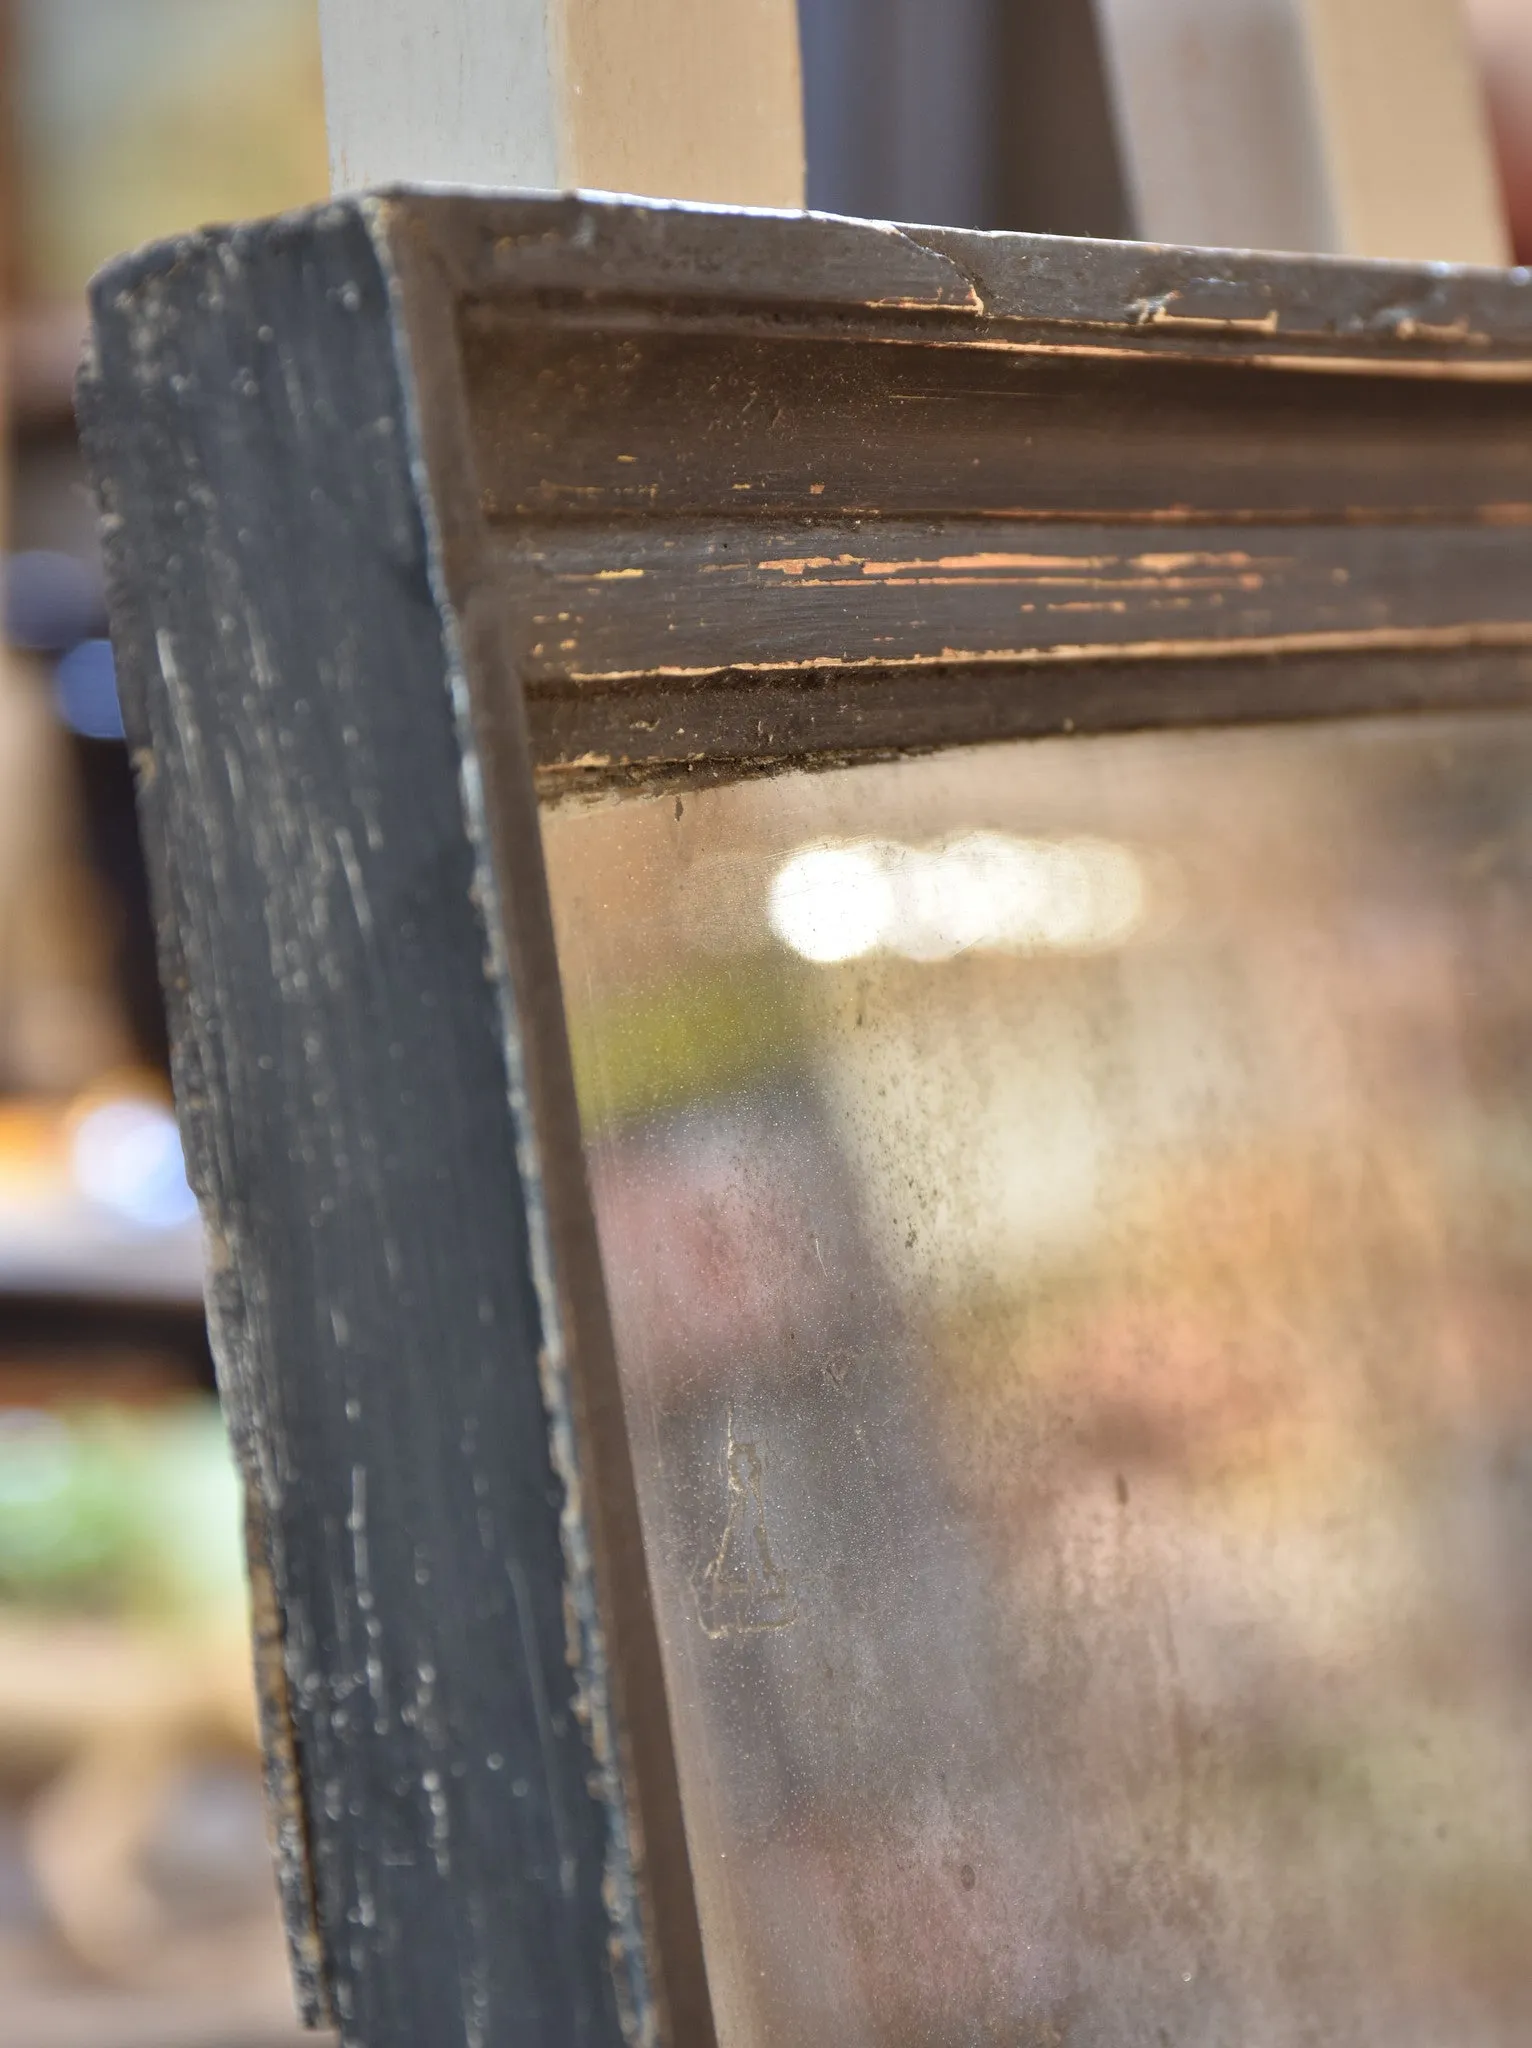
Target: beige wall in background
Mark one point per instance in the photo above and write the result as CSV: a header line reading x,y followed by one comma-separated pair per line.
x,y
688,99
1336,127
1406,130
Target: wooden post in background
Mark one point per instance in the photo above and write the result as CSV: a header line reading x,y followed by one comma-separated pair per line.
x,y
674,99
1341,127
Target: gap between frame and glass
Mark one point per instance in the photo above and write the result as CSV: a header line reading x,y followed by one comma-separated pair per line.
x,y
1064,1206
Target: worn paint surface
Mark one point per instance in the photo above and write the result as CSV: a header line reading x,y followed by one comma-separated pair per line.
x,y
452,1853
407,498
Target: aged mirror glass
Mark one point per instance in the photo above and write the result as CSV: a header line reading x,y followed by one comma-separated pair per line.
x,y
1066,1210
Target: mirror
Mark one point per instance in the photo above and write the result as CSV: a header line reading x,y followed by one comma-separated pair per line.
x,y
1065,1208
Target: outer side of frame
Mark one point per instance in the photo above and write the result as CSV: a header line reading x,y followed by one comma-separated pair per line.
x,y
352,1069
381,540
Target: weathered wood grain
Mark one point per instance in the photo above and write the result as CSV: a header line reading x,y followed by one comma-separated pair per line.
x,y
714,728
1126,298
894,454
578,416
690,600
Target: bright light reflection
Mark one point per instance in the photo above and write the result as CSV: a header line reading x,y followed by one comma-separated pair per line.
x,y
127,1157
986,891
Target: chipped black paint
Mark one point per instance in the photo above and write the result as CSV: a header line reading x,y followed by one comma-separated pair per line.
x,y
338,1058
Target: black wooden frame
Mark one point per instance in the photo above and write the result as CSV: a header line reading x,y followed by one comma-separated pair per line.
x,y
418,503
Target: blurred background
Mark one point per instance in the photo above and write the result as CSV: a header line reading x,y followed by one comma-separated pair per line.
x,y
136,1901
135,1897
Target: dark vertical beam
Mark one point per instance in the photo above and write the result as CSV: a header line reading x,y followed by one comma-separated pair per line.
x,y
962,113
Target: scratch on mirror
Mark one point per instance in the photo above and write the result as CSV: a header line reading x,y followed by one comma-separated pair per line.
x,y
743,1591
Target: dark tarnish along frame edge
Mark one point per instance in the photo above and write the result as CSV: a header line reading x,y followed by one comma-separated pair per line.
x,y
233,639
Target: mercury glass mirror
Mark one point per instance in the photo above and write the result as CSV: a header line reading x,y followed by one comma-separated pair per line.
x,y
850,911
1064,1210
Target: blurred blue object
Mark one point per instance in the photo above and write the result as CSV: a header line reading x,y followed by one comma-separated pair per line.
x,y
86,686
52,601
127,1157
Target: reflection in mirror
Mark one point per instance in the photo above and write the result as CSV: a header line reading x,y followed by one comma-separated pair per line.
x,y
1066,1210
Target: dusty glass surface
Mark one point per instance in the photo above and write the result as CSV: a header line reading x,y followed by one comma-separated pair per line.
x,y
1068,1214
